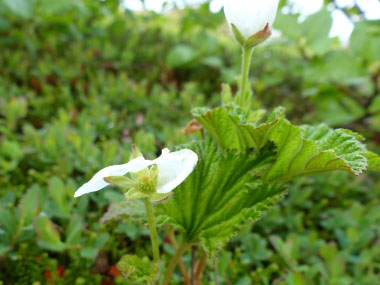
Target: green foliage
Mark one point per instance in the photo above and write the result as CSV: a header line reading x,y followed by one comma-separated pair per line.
x,y
81,80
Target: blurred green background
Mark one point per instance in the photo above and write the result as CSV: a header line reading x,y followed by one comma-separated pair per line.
x,y
80,80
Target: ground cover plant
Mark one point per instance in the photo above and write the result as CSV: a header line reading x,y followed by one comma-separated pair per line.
x,y
82,81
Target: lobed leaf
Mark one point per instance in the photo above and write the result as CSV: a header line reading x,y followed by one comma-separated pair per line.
x,y
222,194
301,151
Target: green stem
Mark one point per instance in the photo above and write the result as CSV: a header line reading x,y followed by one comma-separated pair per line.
x,y
153,231
184,246
244,99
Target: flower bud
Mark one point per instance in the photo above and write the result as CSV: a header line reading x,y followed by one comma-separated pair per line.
x,y
250,20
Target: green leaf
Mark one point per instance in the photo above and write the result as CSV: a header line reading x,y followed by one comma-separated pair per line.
x,y
365,40
225,125
21,8
48,234
311,150
181,55
8,221
74,230
221,194
137,270
57,191
316,31
89,253
301,151
373,161
30,205
132,209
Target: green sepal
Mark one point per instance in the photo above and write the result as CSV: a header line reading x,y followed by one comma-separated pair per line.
x,y
135,152
238,36
159,197
135,194
137,270
122,182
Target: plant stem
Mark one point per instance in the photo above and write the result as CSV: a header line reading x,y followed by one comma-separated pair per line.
x,y
200,267
216,270
243,98
153,231
193,249
183,247
170,233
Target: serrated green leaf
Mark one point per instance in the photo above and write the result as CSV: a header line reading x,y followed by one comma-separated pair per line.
x,y
310,150
220,195
48,234
373,161
137,270
301,151
227,128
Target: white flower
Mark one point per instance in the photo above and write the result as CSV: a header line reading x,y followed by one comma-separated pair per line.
x,y
250,16
173,168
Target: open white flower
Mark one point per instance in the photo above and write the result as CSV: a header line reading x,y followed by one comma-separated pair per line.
x,y
250,16
173,168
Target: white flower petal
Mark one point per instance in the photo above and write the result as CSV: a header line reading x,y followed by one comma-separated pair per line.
x,y
250,16
97,182
173,168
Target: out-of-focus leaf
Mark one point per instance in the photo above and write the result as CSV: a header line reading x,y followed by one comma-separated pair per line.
x,y
180,56
48,234
74,230
137,270
21,8
30,204
365,40
316,29
57,191
134,210
8,221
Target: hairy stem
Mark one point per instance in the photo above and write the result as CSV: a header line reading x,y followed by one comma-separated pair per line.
x,y
200,267
173,262
173,242
243,99
153,231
